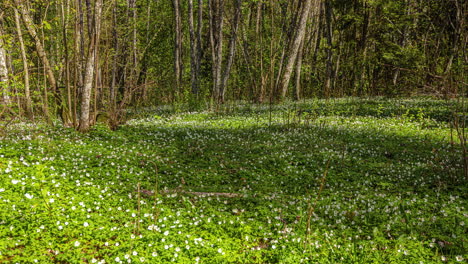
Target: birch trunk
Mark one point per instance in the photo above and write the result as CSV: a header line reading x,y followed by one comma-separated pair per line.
x,y
85,121
4,84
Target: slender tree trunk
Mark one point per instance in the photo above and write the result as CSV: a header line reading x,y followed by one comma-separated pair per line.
x,y
193,50
115,44
216,36
259,92
199,39
294,47
232,51
177,45
42,55
67,60
27,90
4,80
328,34
85,120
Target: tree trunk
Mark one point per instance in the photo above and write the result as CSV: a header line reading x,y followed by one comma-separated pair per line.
x,y
232,51
216,37
177,45
67,60
297,88
199,39
85,120
24,11
328,34
294,47
4,83
115,45
193,50
27,90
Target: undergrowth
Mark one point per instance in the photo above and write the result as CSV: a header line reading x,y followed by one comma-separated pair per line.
x,y
238,186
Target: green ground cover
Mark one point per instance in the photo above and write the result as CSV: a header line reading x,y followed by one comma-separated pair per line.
x,y
379,181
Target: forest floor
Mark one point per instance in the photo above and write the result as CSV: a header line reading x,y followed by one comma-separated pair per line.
x,y
375,180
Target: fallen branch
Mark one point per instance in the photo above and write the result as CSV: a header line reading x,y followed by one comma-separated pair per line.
x,y
167,192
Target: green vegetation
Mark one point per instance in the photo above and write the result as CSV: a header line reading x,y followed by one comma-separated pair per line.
x,y
379,181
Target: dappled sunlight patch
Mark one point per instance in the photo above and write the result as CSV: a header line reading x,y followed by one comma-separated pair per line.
x,y
236,187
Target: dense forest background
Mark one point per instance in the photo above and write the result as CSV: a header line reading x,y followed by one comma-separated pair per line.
x,y
75,59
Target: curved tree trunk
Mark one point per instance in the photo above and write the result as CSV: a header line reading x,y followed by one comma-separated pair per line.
x,y
294,48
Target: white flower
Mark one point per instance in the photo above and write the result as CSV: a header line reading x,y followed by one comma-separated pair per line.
x,y
166,233
60,227
177,249
459,258
155,254
2,190
77,243
51,200
220,250
135,253
117,259
273,247
14,181
85,224
142,259
93,260
197,259
29,196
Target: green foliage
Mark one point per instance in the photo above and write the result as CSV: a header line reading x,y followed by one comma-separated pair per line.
x,y
393,194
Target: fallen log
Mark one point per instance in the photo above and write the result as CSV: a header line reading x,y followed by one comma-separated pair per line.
x,y
176,191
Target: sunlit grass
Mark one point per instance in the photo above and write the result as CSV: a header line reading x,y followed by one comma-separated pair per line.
x,y
394,191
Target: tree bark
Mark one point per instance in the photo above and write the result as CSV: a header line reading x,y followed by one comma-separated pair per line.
x,y
85,120
232,51
193,50
199,38
297,88
328,34
177,45
64,11
27,90
294,47
42,55
4,83
216,36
